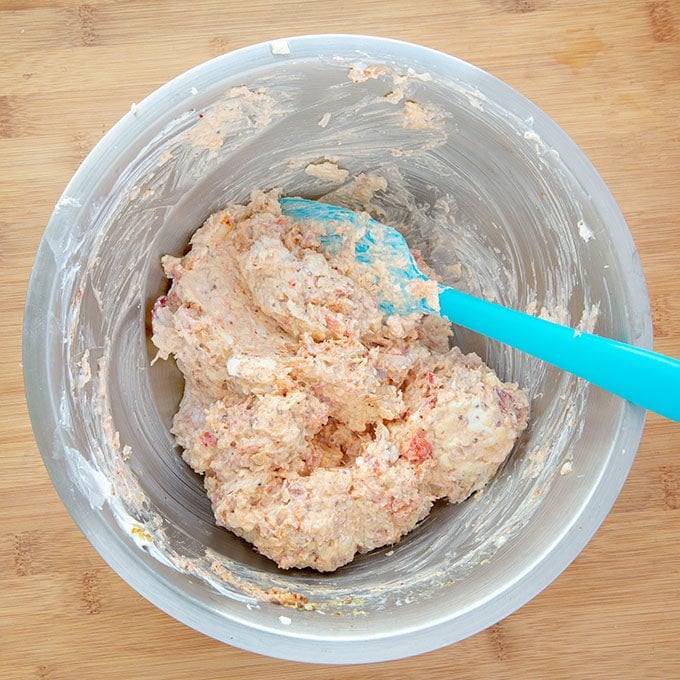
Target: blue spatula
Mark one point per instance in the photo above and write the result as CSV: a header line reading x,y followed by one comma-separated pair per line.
x,y
643,377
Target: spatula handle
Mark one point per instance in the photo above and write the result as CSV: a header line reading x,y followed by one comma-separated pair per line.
x,y
643,377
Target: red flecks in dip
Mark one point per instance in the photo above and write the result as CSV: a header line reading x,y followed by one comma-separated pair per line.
x,y
322,428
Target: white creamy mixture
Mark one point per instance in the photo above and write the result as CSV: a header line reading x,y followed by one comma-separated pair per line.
x,y
322,428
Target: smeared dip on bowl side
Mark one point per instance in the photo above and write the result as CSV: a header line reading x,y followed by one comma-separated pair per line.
x,y
322,427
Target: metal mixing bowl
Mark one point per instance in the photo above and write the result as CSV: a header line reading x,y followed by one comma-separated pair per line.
x,y
501,202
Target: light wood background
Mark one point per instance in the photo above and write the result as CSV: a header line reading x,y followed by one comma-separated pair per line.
x,y
607,72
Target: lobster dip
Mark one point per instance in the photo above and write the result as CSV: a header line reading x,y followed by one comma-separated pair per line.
x,y
322,427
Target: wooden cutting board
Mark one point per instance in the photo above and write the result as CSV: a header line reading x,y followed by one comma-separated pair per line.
x,y
608,73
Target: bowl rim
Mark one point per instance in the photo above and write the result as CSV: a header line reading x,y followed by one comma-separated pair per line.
x,y
134,565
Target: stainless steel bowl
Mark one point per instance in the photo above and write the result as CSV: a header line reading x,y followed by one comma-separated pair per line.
x,y
500,201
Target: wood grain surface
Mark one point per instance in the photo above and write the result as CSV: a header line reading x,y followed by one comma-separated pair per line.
x,y
607,72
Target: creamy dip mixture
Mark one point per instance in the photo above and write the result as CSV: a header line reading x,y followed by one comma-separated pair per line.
x,y
323,428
